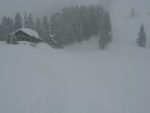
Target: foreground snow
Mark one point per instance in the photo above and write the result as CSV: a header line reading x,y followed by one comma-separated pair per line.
x,y
79,78
44,80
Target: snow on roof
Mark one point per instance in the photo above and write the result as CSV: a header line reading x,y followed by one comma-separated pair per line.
x,y
29,32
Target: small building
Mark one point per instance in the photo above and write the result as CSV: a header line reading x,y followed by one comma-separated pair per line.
x,y
24,34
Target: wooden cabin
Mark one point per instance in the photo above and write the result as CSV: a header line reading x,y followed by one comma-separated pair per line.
x,y
24,34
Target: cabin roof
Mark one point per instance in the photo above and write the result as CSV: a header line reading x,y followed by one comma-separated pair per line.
x,y
28,31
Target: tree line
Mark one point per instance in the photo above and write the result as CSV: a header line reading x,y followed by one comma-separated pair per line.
x,y
78,23
71,24
9,25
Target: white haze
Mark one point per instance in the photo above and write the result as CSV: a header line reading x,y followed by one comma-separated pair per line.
x,y
80,78
10,7
41,7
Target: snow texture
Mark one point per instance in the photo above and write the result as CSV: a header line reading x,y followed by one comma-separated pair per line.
x,y
80,78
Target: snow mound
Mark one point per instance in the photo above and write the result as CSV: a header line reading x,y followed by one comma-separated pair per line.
x,y
84,46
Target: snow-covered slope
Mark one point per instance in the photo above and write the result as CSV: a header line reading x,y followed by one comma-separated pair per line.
x,y
77,79
125,29
42,80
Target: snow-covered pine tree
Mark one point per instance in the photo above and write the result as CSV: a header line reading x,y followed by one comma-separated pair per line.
x,y
4,28
30,22
25,20
10,25
141,41
106,31
45,29
99,11
38,26
78,23
108,27
132,13
1,32
7,26
18,21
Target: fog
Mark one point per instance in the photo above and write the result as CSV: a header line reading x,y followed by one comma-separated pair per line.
x,y
84,61
9,7
41,7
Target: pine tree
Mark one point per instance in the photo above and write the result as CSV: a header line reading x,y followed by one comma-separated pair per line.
x,y
54,31
18,21
108,27
1,32
78,23
106,31
26,24
38,26
142,37
10,25
30,22
5,26
133,13
45,29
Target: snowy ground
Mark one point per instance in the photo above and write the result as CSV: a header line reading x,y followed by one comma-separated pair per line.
x,y
79,78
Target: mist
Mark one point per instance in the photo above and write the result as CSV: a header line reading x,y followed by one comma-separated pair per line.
x,y
82,59
41,7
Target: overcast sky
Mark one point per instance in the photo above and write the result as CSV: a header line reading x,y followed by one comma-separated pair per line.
x,y
9,7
